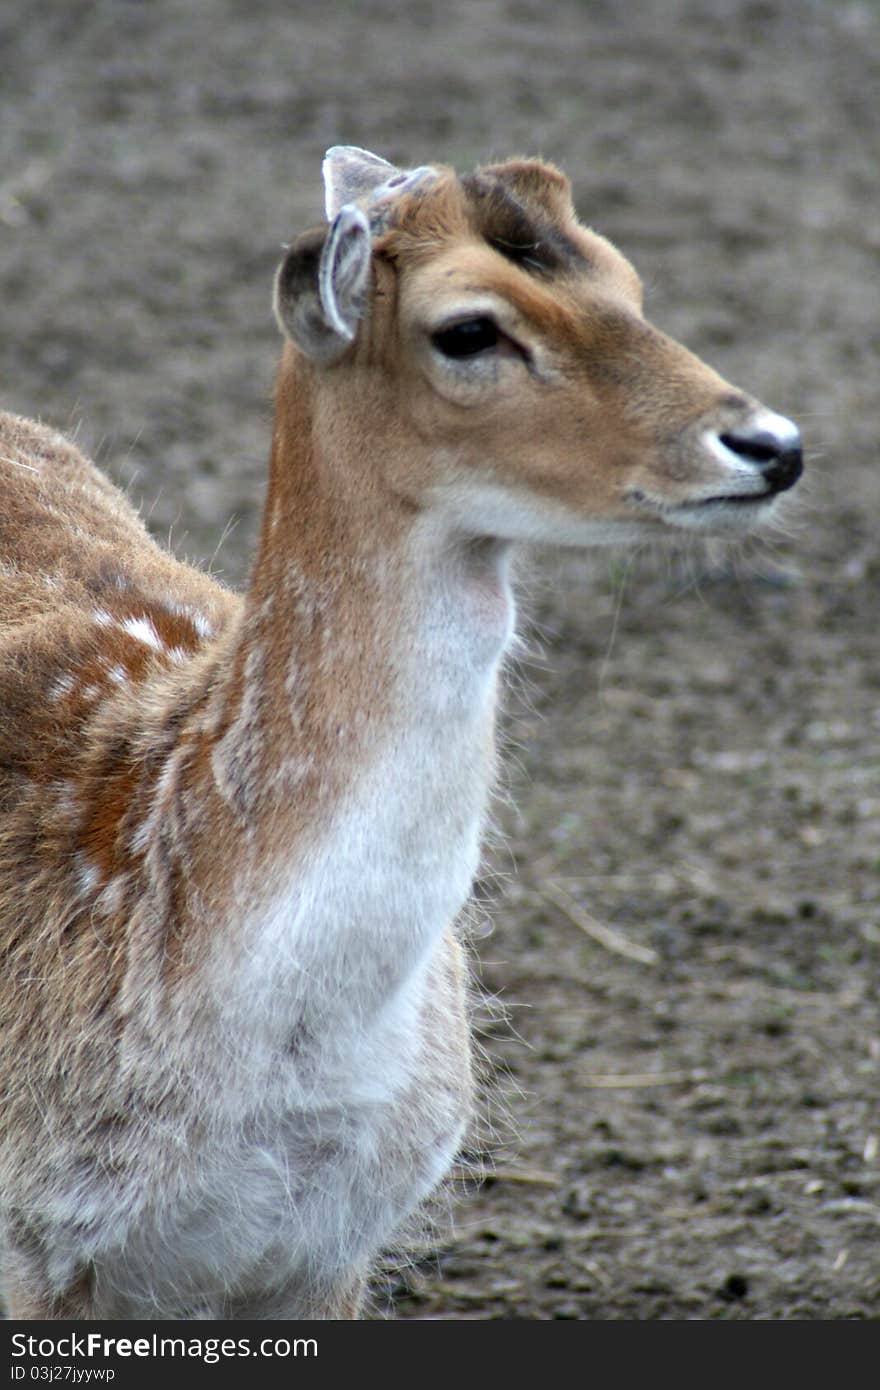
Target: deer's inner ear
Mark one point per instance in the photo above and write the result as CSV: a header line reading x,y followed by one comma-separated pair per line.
x,y
351,175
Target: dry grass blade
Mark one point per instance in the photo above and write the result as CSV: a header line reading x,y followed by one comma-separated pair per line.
x,y
513,1172
530,1177
608,937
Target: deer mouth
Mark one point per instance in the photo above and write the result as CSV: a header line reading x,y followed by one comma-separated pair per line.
x,y
720,513
730,499
723,513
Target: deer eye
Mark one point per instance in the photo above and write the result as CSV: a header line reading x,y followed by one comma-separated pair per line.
x,y
467,338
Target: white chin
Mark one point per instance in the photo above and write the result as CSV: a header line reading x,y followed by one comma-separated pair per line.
x,y
721,517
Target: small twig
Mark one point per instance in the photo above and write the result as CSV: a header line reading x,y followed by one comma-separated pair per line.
x,y
609,937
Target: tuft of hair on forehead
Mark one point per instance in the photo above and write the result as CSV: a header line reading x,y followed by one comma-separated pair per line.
x,y
420,220
521,209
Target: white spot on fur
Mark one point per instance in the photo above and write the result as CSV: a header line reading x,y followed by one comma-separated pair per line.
x,y
204,628
111,897
88,876
143,630
66,801
61,686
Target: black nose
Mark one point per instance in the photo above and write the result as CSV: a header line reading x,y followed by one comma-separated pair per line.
x,y
774,449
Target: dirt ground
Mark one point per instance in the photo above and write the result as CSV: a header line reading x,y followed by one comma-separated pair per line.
x,y
689,1129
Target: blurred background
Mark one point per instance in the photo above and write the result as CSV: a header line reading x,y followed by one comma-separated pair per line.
x,y
682,1115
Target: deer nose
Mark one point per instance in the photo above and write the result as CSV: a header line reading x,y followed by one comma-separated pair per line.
x,y
771,444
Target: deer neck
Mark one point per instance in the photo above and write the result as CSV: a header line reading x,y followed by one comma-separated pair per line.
x,y
365,614
356,737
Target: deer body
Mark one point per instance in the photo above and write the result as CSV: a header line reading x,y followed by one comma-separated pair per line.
x,y
236,834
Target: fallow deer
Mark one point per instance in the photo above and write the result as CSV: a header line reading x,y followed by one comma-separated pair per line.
x,y
236,833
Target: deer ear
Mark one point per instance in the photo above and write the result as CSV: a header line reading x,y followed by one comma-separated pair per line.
x,y
356,176
536,183
350,175
320,288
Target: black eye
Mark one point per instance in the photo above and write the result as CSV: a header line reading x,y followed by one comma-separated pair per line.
x,y
467,338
